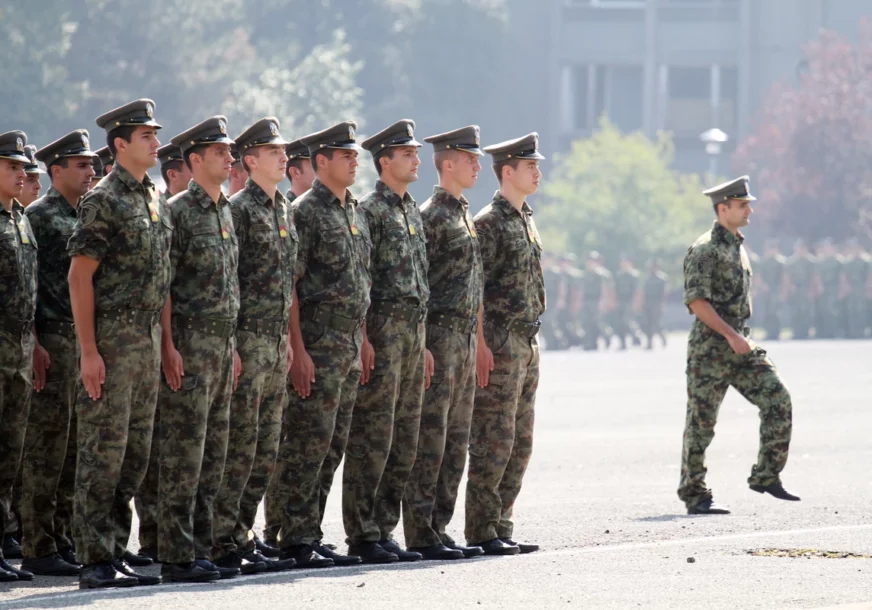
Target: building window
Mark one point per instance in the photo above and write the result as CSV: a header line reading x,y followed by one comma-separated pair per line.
x,y
590,91
699,98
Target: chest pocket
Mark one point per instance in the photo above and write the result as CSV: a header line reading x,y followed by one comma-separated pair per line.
x,y
135,232
8,254
334,244
262,233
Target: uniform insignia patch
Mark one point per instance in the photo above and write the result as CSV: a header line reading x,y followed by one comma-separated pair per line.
x,y
87,215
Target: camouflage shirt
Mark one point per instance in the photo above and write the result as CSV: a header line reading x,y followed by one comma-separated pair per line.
x,y
511,256
830,271
204,255
333,265
52,219
626,283
717,269
18,256
593,285
267,253
800,269
770,270
654,288
454,258
399,256
125,225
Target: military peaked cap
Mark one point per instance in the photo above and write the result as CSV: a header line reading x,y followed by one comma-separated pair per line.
x,y
105,157
263,132
169,153
211,131
340,135
234,152
12,146
401,133
138,113
526,147
32,167
466,138
734,189
74,144
297,150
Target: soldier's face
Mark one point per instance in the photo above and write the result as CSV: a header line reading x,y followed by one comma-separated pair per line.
x,y
738,213
270,162
30,192
403,167
342,168
12,178
465,168
216,163
238,176
75,178
526,177
302,177
141,151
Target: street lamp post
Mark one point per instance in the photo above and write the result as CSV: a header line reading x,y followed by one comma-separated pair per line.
x,y
713,139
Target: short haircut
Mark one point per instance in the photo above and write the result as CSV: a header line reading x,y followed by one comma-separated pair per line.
x,y
200,149
62,162
174,165
440,157
125,132
499,165
387,153
726,202
254,151
326,152
296,162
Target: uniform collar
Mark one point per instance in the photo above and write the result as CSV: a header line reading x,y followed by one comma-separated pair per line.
x,y
54,196
202,197
128,180
502,204
392,196
326,195
720,233
252,188
16,207
443,195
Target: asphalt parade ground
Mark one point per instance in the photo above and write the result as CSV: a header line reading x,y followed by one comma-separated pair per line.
x,y
599,497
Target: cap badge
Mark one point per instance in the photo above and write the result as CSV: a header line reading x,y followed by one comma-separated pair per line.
x,y
273,129
149,110
85,142
409,130
350,132
477,137
535,142
222,127
19,145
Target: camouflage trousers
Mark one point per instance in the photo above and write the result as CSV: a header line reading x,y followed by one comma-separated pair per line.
x,y
712,367
591,324
114,438
319,424
253,443
273,500
16,387
49,464
501,435
193,433
652,323
384,430
446,414
145,500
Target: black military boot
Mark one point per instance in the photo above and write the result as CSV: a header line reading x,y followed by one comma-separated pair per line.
x,y
339,559
498,547
50,565
305,556
708,507
189,572
468,551
103,575
525,547
372,552
437,552
392,547
776,490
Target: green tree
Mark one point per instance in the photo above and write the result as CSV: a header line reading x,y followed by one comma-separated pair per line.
x,y
616,193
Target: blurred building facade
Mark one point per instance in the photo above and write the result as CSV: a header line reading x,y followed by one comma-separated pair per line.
x,y
679,65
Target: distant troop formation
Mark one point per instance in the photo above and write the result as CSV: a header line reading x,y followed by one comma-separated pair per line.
x,y
195,354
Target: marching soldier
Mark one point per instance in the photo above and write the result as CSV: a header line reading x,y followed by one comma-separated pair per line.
x,y
802,289
387,411
18,281
772,288
626,286
333,284
301,174
30,192
48,479
720,354
267,240
595,292
455,280
653,295
829,273
124,230
507,361
857,277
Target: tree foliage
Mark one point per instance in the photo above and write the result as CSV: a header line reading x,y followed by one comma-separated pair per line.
x,y
810,154
616,193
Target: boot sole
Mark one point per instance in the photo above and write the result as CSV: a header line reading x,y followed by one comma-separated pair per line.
x,y
85,585
203,578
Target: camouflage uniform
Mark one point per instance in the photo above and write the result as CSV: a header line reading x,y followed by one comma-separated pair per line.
x,y
801,272
771,270
455,280
267,255
18,283
551,332
387,411
653,291
193,429
857,272
594,284
717,269
333,291
626,284
48,474
501,437
828,320
126,226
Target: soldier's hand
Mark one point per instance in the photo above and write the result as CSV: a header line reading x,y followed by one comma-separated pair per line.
x,y
41,363
303,373
429,367
484,364
739,344
367,361
173,368
237,369
93,374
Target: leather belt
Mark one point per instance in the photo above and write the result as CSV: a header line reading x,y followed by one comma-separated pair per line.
x,y
16,327
275,328
399,311
528,330
130,316
56,327
331,320
218,328
453,323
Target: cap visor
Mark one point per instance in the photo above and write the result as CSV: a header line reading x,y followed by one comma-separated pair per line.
x,y
535,155
34,170
346,146
16,157
473,150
